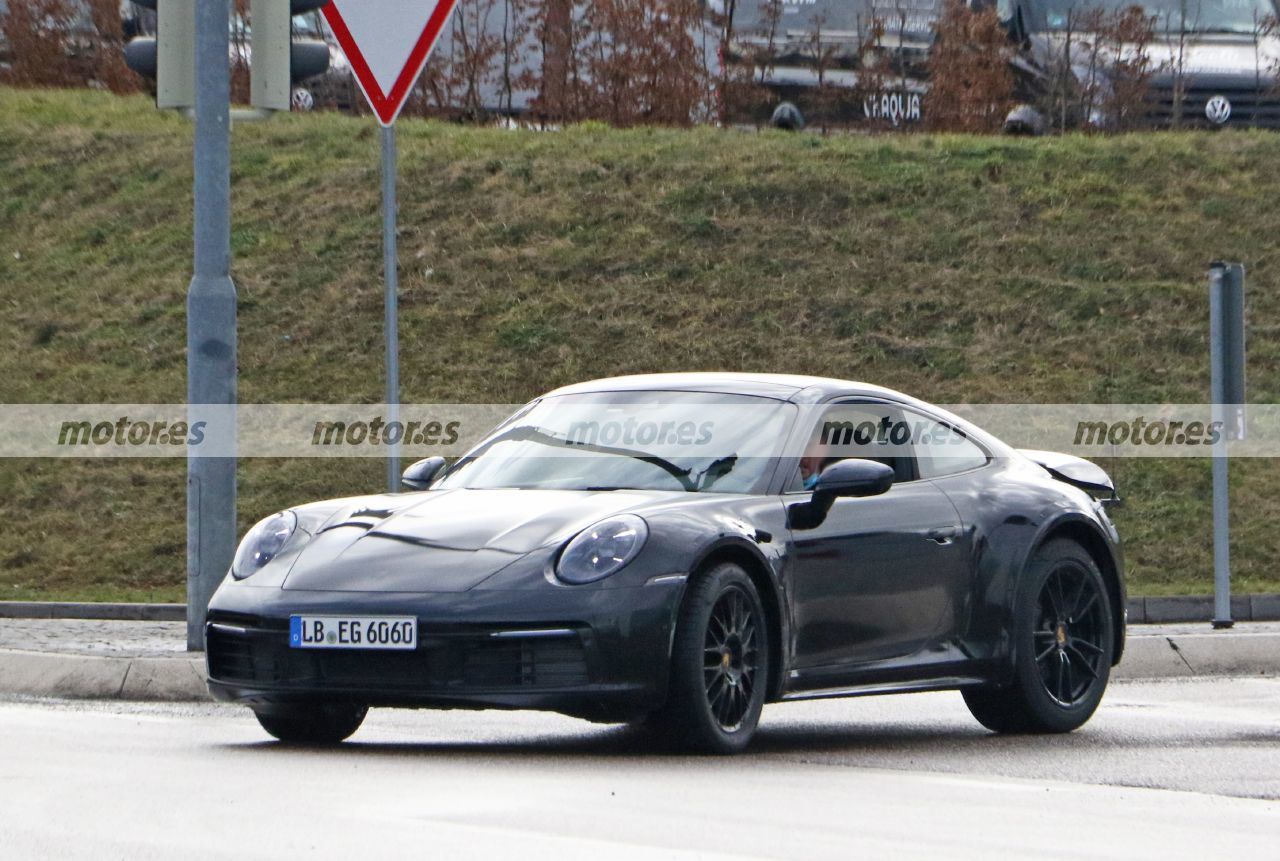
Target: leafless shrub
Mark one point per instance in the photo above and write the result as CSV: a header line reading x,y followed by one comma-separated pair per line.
x,y
63,43
971,84
626,62
643,64
41,48
108,50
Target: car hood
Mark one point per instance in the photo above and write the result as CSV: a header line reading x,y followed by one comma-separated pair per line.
x,y
446,540
1216,56
1199,54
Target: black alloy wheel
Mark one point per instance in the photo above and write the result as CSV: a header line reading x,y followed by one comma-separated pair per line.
x,y
719,664
1064,637
1069,634
731,658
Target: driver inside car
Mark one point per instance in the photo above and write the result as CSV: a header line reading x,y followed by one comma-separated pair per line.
x,y
812,464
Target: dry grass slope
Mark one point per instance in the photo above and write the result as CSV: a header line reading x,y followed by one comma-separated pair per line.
x,y
957,268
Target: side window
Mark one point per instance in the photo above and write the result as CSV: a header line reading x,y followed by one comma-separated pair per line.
x,y
941,449
866,430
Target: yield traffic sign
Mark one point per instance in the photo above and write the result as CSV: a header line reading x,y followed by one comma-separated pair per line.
x,y
387,43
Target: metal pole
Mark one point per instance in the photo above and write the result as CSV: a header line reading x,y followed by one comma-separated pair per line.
x,y
1218,394
391,277
211,320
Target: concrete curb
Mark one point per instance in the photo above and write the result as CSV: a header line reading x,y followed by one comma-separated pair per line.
x,y
1161,655
1199,608
42,674
93,610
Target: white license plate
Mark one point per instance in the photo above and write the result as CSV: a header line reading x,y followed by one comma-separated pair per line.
x,y
353,632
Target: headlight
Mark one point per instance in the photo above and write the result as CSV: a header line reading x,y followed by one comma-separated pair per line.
x,y
602,549
263,543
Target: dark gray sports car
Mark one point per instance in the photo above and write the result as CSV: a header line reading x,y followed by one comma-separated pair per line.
x,y
680,550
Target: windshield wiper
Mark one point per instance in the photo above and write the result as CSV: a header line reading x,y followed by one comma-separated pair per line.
x,y
531,433
716,470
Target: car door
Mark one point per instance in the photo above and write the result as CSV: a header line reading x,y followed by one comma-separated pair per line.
x,y
879,578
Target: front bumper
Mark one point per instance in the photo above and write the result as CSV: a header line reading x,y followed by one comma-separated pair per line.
x,y
601,654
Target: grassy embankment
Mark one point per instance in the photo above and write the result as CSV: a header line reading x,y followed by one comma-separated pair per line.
x,y
956,268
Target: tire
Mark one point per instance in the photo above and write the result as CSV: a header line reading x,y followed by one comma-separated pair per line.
x,y
1063,640
313,725
719,665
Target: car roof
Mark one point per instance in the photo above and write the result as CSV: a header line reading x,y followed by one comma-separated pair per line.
x,y
784,387
796,388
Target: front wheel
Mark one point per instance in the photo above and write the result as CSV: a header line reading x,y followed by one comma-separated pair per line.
x,y
1063,643
313,724
719,664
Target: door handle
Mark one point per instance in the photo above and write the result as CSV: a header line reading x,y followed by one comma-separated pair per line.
x,y
944,536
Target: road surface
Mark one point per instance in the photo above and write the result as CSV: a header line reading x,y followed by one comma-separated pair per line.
x,y
1186,769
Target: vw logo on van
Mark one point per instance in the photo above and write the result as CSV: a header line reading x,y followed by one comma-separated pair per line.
x,y
1218,110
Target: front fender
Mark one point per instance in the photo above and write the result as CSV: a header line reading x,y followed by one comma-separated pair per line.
x,y
763,562
1098,536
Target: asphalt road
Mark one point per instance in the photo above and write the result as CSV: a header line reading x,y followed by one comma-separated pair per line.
x,y
1185,769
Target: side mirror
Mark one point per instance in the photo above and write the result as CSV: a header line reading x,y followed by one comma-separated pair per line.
x,y
854,477
419,475
850,477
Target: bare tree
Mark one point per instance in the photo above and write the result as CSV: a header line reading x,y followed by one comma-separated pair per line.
x,y
476,48
240,50
767,58
515,34
822,54
739,95
875,68
1264,66
1101,77
557,39
1128,35
1175,35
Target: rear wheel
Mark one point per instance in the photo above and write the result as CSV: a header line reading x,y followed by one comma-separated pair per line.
x,y
1063,642
719,664
313,724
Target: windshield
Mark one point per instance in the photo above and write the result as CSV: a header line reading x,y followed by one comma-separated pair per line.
x,y
1169,16
686,441
848,19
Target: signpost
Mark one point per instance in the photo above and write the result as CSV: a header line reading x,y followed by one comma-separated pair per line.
x,y
1226,373
211,317
387,42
